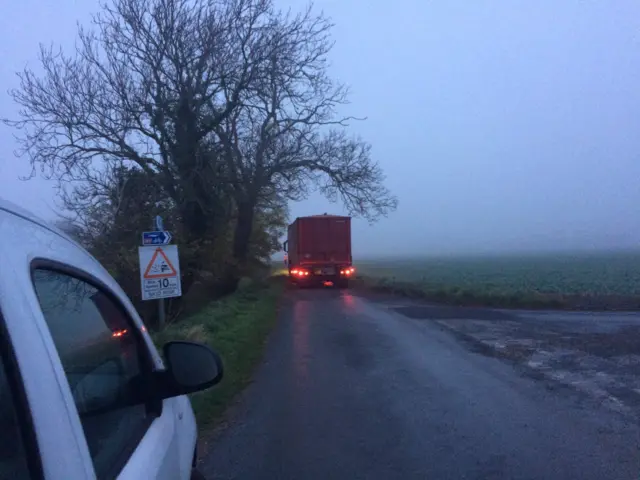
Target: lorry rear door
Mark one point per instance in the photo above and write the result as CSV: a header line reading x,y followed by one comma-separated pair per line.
x,y
324,239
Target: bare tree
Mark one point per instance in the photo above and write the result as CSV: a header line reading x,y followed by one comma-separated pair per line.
x,y
147,85
225,106
288,136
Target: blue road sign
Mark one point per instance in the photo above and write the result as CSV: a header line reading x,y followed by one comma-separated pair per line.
x,y
156,238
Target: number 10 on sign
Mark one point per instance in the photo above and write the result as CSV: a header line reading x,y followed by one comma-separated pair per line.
x,y
159,272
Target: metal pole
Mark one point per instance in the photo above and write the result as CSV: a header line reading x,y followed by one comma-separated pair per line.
x,y
161,311
161,314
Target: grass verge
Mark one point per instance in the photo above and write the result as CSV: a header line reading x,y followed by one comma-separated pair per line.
x,y
236,327
452,295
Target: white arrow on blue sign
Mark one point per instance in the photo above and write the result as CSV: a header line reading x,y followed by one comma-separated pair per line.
x,y
156,238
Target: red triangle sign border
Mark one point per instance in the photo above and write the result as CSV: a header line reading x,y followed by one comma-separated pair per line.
x,y
173,272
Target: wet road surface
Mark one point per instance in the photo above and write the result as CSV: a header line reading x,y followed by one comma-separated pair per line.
x,y
350,388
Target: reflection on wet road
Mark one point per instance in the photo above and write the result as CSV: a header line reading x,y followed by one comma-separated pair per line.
x,y
353,389
301,340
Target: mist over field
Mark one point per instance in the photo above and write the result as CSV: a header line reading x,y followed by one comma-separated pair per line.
x,y
506,127
506,255
512,126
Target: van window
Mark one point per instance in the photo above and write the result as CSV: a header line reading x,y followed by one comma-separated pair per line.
x,y
102,362
13,459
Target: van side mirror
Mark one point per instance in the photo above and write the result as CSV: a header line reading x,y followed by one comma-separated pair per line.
x,y
191,367
285,246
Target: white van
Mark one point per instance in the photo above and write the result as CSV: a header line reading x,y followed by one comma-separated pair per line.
x,y
83,392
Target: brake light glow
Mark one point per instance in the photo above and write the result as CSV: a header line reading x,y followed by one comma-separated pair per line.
x,y
347,271
119,333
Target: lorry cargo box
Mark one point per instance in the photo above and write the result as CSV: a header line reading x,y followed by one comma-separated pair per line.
x,y
320,239
319,247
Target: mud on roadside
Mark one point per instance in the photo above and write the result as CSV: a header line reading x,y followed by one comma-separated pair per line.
x,y
603,364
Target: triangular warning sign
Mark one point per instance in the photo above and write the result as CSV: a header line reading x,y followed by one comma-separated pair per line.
x,y
159,266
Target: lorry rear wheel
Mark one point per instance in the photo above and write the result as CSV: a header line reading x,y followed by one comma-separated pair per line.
x,y
343,283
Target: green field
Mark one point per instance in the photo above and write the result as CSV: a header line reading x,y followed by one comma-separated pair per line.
x,y
541,276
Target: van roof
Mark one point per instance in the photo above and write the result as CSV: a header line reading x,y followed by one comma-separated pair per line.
x,y
18,211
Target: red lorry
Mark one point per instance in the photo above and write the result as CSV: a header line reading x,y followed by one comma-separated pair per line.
x,y
319,250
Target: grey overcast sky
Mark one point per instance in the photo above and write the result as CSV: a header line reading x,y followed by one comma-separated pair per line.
x,y
502,125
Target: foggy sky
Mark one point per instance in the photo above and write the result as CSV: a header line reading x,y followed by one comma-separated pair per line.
x,y
501,125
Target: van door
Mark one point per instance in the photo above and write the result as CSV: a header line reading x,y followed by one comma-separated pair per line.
x,y
104,356
19,458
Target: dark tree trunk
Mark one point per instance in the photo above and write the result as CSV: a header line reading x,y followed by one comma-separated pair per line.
x,y
196,194
194,219
240,247
243,231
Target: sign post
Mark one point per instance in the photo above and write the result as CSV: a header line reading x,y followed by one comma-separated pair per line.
x,y
159,268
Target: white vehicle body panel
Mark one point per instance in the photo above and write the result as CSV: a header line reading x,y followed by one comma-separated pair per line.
x,y
166,449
